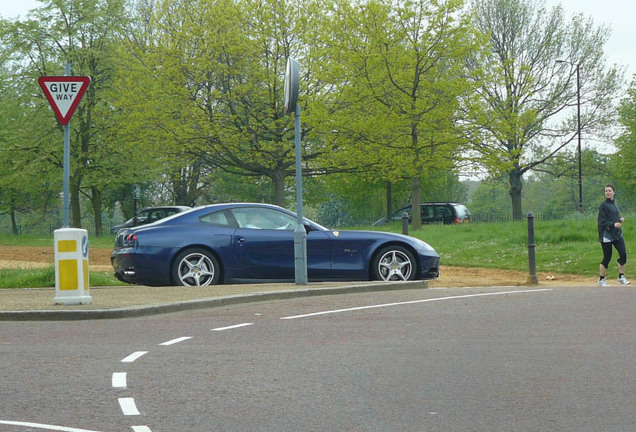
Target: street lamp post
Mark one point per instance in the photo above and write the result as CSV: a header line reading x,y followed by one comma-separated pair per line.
x,y
578,128
578,132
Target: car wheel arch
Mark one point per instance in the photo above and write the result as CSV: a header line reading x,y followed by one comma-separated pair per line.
x,y
206,248
382,246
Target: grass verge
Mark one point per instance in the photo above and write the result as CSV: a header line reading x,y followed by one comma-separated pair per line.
x,y
45,278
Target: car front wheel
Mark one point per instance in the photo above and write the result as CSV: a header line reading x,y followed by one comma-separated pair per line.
x,y
195,267
394,263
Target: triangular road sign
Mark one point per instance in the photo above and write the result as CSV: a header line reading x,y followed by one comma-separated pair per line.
x,y
64,94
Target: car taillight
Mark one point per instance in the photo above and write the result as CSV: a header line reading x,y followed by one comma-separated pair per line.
x,y
458,220
130,240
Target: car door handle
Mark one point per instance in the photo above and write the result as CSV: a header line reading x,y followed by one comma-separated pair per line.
x,y
241,240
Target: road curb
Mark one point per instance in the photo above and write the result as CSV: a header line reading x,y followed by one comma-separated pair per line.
x,y
172,307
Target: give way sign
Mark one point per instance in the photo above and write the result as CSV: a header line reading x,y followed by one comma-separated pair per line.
x,y
64,94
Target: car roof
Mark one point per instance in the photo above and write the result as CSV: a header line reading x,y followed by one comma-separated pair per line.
x,y
193,214
167,208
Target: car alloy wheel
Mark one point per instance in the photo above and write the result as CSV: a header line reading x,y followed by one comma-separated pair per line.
x,y
195,267
394,263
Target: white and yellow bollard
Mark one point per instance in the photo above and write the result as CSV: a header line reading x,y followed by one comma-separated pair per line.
x,y
71,267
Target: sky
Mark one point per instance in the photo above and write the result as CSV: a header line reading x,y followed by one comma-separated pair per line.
x,y
619,15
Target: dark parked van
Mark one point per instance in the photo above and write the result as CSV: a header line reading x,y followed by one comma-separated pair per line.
x,y
434,212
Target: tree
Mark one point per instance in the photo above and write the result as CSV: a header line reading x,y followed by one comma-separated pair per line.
x,y
27,182
208,84
81,33
398,73
524,92
626,143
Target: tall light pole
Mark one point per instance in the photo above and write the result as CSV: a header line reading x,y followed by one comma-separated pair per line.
x,y
578,127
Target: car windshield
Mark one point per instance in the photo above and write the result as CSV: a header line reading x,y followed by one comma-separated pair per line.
x,y
462,210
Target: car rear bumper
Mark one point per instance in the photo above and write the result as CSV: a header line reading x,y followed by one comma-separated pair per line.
x,y
121,261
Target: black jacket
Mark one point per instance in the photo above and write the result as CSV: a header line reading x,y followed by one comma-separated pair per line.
x,y
608,215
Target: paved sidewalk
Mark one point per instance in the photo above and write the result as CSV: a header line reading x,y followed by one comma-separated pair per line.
x,y
134,301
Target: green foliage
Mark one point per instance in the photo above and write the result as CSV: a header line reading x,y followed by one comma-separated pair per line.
x,y
626,156
186,101
490,199
529,80
398,72
210,89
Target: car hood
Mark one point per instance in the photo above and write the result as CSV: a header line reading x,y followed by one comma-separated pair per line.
x,y
385,236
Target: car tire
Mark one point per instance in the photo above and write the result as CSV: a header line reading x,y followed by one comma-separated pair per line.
x,y
195,267
394,263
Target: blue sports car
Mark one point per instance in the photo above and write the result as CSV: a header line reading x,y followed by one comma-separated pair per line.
x,y
235,243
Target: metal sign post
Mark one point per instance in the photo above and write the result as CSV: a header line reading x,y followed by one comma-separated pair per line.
x,y
64,93
67,174
300,235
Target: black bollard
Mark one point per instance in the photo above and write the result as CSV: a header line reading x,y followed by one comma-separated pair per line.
x,y
532,260
405,223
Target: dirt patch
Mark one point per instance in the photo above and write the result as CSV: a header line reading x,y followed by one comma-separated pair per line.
x,y
38,257
99,260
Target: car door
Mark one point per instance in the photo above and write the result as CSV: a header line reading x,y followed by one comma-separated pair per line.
x,y
264,245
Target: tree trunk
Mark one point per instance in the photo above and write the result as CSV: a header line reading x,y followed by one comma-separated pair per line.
x,y
515,193
416,210
14,224
389,197
278,179
76,213
97,210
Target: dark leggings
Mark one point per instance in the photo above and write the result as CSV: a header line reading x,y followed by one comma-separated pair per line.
x,y
607,252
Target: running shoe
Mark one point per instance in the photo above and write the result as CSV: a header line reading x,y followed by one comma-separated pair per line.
x,y
623,280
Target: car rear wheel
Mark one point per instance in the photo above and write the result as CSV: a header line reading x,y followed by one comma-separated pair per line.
x,y
195,267
394,263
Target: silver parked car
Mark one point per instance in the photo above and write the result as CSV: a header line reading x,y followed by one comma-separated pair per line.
x,y
150,215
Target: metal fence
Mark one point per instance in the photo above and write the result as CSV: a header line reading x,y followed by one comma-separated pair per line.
x,y
46,226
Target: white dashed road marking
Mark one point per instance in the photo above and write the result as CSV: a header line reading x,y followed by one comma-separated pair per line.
x,y
175,341
141,429
232,327
134,356
128,406
119,380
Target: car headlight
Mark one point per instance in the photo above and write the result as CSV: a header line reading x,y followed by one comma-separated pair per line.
x,y
424,246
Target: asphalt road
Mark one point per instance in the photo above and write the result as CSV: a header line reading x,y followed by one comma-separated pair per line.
x,y
476,359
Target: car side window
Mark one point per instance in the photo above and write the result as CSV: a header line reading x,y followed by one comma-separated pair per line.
x,y
143,215
156,215
219,218
263,218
